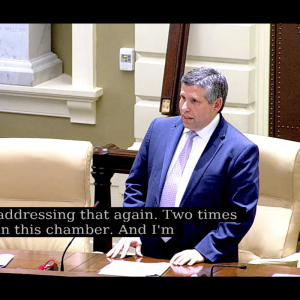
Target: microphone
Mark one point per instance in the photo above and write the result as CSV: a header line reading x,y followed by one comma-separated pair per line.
x,y
208,272
62,258
225,266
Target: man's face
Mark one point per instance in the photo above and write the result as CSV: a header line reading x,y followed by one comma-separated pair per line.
x,y
195,110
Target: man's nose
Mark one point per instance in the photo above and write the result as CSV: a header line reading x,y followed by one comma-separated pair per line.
x,y
185,106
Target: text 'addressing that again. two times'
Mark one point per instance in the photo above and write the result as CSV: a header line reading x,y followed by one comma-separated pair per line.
x,y
85,222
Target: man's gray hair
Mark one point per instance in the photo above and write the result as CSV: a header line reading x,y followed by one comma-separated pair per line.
x,y
212,80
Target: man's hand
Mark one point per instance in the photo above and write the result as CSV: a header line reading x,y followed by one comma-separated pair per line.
x,y
189,257
124,244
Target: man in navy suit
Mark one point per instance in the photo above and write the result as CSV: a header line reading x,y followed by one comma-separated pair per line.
x,y
222,170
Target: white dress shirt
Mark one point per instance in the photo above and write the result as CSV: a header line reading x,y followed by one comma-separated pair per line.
x,y
199,143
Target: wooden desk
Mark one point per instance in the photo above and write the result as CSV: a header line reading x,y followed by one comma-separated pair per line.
x,y
79,264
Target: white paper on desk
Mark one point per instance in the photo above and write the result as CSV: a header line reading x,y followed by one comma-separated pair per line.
x,y
284,275
5,259
131,268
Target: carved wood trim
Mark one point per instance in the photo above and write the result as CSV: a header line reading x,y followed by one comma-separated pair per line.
x,y
174,68
107,161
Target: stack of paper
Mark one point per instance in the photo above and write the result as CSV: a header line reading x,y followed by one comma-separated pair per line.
x,y
131,268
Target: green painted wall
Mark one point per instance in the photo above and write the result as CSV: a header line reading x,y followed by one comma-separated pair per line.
x,y
115,109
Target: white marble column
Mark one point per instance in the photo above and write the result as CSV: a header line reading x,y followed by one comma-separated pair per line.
x,y
25,54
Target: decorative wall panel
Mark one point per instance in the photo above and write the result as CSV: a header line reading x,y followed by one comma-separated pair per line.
x,y
284,110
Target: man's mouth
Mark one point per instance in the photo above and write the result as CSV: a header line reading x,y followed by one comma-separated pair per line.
x,y
187,117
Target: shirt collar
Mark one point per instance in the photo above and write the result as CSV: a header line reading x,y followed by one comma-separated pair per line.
x,y
206,132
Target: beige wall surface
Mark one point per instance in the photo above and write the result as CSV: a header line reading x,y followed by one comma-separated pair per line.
x,y
239,51
115,108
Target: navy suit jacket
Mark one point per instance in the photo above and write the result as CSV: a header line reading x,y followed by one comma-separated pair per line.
x,y
226,174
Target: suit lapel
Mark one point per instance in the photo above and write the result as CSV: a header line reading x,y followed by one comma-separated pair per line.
x,y
213,146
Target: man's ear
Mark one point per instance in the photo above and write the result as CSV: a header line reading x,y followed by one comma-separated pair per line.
x,y
218,104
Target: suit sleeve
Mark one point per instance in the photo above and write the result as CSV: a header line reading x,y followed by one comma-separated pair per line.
x,y
243,191
137,181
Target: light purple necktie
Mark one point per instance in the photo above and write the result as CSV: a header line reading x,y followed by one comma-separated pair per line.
x,y
173,177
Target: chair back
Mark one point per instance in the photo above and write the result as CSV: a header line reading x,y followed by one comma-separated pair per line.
x,y
44,173
275,231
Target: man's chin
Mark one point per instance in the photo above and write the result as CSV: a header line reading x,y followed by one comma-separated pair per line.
x,y
188,123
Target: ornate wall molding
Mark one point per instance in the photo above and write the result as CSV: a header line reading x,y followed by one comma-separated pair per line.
x,y
64,96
